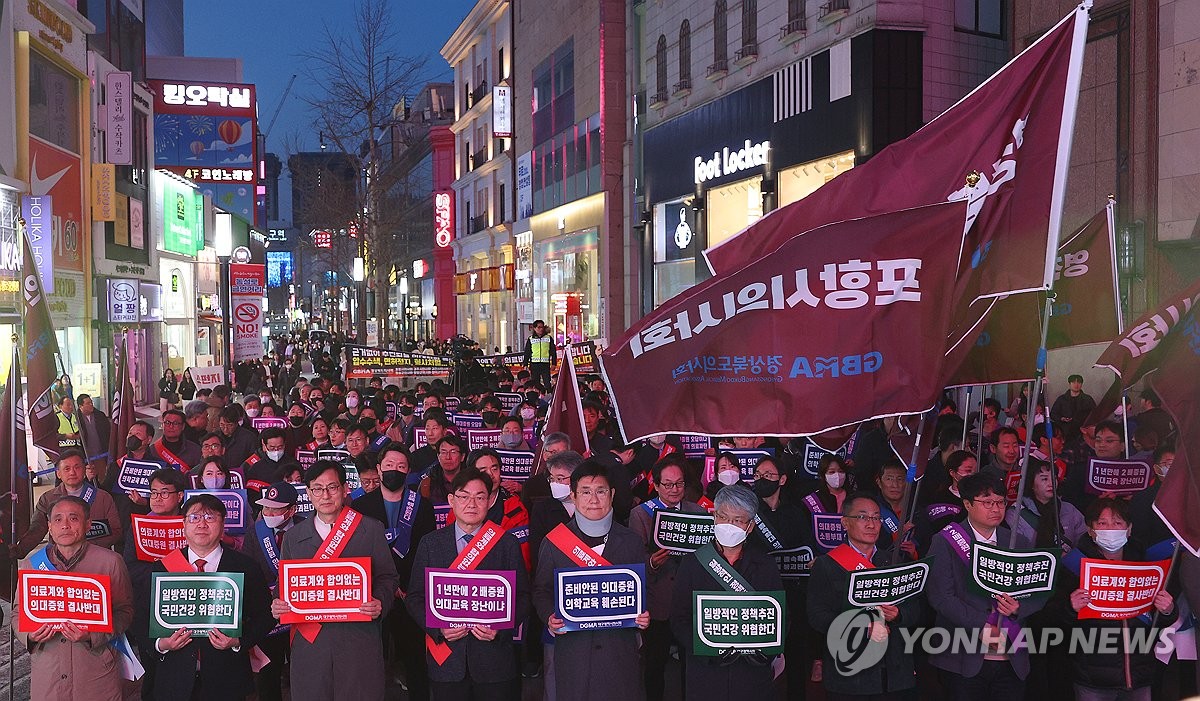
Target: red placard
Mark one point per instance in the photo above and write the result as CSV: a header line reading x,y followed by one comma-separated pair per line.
x,y
1120,590
56,598
154,537
325,591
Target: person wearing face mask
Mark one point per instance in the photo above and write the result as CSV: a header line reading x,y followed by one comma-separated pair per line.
x,y
834,479
212,474
253,407
404,425
945,506
1146,521
527,414
728,471
137,447
728,563
353,401
592,664
297,433
670,481
407,518
1107,673
265,466
512,435
490,410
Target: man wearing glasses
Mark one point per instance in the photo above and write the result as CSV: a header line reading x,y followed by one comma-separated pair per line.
x,y
828,591
213,666
335,661
668,474
173,448
105,523
997,673
1107,440
451,453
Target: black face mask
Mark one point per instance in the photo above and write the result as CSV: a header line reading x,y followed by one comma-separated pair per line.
x,y
405,410
133,443
367,423
296,421
393,480
491,417
765,488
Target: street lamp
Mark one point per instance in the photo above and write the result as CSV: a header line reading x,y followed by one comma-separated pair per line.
x,y
223,243
403,312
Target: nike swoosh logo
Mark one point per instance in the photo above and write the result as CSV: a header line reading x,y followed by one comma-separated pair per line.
x,y
43,186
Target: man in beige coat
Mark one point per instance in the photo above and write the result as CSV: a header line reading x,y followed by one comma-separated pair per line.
x,y
106,524
71,664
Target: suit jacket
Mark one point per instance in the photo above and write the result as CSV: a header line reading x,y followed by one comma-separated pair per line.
x,y
371,504
224,674
660,584
957,606
545,515
470,658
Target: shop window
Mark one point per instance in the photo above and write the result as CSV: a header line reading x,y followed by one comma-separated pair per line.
x,y
685,56
980,16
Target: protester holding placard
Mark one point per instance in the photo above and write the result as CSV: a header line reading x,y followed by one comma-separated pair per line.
x,y
670,482
407,518
728,564
174,448
505,508
339,660
589,665
68,662
1104,602
139,458
266,465
298,433
1107,441
1041,519
105,523
998,674
214,666
946,505
830,594
470,660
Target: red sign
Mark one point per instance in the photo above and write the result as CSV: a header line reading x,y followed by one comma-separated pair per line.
x,y
155,537
1120,590
443,217
55,598
325,591
58,173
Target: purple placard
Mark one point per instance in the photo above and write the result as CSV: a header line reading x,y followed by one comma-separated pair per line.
x,y
262,423
467,422
694,446
306,458
1118,476
235,506
483,438
452,404
457,598
440,513
828,530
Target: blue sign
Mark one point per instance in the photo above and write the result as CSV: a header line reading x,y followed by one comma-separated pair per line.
x,y
828,530
468,421
38,212
516,464
748,460
134,475
600,598
235,506
279,268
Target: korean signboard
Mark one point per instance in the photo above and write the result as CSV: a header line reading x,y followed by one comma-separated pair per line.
x,y
247,282
118,143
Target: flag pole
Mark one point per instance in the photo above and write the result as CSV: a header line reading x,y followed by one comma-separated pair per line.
x,y
12,518
1034,392
979,454
910,495
966,412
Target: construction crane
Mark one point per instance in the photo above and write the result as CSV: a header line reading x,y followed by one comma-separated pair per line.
x,y
271,125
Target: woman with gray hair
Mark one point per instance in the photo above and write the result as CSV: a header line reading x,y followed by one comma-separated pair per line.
x,y
728,564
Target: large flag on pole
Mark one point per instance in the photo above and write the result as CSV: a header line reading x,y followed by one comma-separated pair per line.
x,y
15,495
1005,350
1088,307
41,358
122,405
565,414
1014,131
842,324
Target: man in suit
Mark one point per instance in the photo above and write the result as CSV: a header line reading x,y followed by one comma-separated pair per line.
x,y
407,518
215,666
339,661
998,673
481,664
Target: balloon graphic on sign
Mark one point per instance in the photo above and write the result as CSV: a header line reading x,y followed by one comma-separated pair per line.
x,y
197,148
229,131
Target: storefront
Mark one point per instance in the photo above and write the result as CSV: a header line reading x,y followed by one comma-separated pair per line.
x,y
484,294
566,269
10,273
712,172
176,278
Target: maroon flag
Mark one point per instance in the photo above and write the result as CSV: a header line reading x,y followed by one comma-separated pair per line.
x,y
122,406
842,324
1177,382
41,358
566,409
1014,130
1005,350
1139,350
1087,308
15,496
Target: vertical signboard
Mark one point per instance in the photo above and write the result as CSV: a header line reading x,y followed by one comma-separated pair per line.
x,y
38,212
443,217
247,284
502,111
525,185
137,223
104,192
118,144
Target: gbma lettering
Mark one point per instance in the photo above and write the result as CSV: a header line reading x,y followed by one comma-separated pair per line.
x,y
835,365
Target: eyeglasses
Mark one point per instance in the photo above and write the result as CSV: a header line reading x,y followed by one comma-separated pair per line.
x,y
673,485
766,476
206,517
319,489
865,518
162,493
176,422
990,503
559,480
472,498
599,493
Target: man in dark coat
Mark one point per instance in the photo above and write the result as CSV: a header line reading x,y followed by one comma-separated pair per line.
x,y
215,666
481,662
342,661
590,665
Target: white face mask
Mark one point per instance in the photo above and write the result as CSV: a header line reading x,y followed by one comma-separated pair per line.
x,y
528,414
265,398
728,477
560,491
275,455
729,535
252,413
351,402
835,480
1112,540
213,482
274,521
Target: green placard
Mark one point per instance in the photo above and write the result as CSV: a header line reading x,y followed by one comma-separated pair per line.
x,y
1019,574
742,622
887,586
198,601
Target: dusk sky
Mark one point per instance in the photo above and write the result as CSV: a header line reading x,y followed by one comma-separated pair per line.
x,y
270,35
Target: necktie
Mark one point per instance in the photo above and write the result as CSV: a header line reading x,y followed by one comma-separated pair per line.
x,y
279,539
200,565
466,540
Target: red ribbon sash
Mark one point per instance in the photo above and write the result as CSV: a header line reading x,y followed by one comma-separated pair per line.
x,y
331,548
850,559
485,539
575,549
